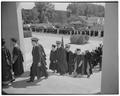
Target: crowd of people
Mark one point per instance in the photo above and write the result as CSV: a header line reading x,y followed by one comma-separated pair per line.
x,y
72,32
62,61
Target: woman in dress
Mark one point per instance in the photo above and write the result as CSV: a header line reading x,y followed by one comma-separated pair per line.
x,y
17,59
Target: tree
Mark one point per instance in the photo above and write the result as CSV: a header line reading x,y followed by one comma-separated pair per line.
x,y
29,16
86,9
45,10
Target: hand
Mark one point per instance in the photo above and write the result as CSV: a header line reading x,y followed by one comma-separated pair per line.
x,y
39,64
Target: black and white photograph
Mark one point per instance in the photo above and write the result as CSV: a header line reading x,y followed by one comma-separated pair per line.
x,y
59,48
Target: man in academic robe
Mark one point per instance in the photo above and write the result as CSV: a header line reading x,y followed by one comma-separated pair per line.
x,y
42,51
78,63
70,59
87,64
38,67
53,61
61,59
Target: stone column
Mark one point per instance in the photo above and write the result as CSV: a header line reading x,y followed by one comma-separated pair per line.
x,y
11,24
109,84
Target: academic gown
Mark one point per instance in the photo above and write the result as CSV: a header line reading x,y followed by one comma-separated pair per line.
x,y
43,55
53,60
78,59
18,64
62,63
36,70
6,67
70,61
87,64
42,51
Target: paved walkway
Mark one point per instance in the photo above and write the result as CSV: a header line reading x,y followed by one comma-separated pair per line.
x,y
56,85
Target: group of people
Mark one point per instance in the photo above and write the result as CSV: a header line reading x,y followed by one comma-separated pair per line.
x,y
64,61
11,63
72,32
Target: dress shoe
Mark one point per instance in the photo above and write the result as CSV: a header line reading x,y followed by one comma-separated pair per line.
x,y
88,76
29,81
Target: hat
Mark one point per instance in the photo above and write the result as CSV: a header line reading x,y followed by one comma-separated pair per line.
x,y
53,45
58,42
34,39
13,40
3,41
86,51
78,49
67,46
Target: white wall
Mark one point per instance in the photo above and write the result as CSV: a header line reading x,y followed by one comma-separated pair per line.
x,y
9,23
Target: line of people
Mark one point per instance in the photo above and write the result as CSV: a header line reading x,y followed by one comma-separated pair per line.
x,y
63,60
11,63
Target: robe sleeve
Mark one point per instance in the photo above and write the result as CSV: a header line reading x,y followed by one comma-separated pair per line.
x,y
8,55
15,53
38,54
43,50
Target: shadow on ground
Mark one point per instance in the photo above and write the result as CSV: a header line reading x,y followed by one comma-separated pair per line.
x,y
24,84
25,74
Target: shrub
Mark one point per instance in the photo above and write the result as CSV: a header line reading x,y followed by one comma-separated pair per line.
x,y
27,34
79,39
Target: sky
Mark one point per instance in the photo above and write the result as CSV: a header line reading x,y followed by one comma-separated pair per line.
x,y
58,6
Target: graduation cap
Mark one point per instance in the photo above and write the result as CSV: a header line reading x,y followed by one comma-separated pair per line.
x,y
34,39
87,51
53,45
78,49
67,46
58,42
13,40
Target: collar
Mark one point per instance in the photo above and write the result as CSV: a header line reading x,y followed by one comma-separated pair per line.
x,y
16,45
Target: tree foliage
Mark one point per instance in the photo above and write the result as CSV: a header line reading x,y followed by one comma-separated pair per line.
x,y
86,9
45,10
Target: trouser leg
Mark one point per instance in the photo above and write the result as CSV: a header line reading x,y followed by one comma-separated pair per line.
x,y
32,74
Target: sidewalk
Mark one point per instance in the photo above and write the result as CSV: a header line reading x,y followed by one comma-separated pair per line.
x,y
56,85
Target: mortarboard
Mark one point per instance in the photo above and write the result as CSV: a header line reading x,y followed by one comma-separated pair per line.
x,y
53,45
34,39
78,49
67,46
58,42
